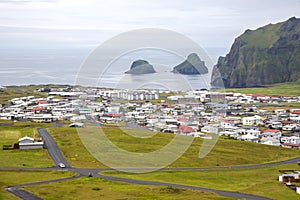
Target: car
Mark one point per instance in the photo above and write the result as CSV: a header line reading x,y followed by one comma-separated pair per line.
x,y
61,165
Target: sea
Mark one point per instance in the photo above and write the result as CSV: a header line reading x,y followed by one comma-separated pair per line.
x,y
65,65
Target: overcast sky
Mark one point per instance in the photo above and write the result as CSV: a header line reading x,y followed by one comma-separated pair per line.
x,y
211,23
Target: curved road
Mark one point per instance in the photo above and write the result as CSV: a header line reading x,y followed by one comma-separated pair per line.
x,y
27,195
57,157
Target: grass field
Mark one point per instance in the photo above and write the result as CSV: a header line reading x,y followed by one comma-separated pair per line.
x,y
261,181
282,89
225,153
22,158
8,178
19,91
95,188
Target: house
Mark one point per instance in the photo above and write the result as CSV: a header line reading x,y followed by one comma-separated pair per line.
x,y
77,125
184,129
249,130
279,111
227,123
249,137
44,118
28,143
295,115
271,137
290,142
249,133
290,127
210,128
253,120
229,133
291,177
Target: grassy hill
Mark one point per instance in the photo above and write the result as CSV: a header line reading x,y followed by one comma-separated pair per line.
x,y
282,89
225,153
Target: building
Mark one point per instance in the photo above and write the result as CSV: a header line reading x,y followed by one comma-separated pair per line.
x,y
251,121
28,143
271,137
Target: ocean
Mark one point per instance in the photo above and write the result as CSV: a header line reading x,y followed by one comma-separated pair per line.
x,y
62,66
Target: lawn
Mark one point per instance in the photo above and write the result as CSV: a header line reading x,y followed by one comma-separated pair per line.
x,y
9,178
260,181
22,158
225,153
96,188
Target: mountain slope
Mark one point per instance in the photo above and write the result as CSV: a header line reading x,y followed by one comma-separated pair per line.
x,y
267,55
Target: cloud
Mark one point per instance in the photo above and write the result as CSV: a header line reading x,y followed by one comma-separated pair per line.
x,y
27,1
210,22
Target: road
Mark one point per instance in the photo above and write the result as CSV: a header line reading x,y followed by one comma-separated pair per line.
x,y
27,195
52,148
57,157
22,194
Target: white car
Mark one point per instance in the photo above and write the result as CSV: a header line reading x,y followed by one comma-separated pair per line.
x,y
61,165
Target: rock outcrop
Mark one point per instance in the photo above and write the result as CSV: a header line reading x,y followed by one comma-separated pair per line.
x,y
141,67
192,65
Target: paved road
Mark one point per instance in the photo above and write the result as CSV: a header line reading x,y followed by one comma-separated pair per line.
x,y
22,194
27,195
52,148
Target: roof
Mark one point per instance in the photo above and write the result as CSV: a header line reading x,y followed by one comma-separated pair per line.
x,y
186,129
291,144
296,112
37,109
114,115
228,121
182,119
271,130
287,122
42,102
26,138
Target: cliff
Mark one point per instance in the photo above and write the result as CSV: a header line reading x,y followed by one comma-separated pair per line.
x,y
267,55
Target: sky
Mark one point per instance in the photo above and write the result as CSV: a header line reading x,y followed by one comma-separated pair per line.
x,y
88,23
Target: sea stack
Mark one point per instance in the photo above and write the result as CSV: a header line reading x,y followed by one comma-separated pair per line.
x,y
141,67
191,66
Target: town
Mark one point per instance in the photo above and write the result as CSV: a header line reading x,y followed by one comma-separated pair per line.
x,y
198,113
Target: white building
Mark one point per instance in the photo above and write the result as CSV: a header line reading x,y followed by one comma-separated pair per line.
x,y
28,143
253,120
271,137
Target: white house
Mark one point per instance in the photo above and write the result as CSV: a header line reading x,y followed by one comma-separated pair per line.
x,y
253,120
227,123
279,111
249,137
290,142
271,137
28,143
42,118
